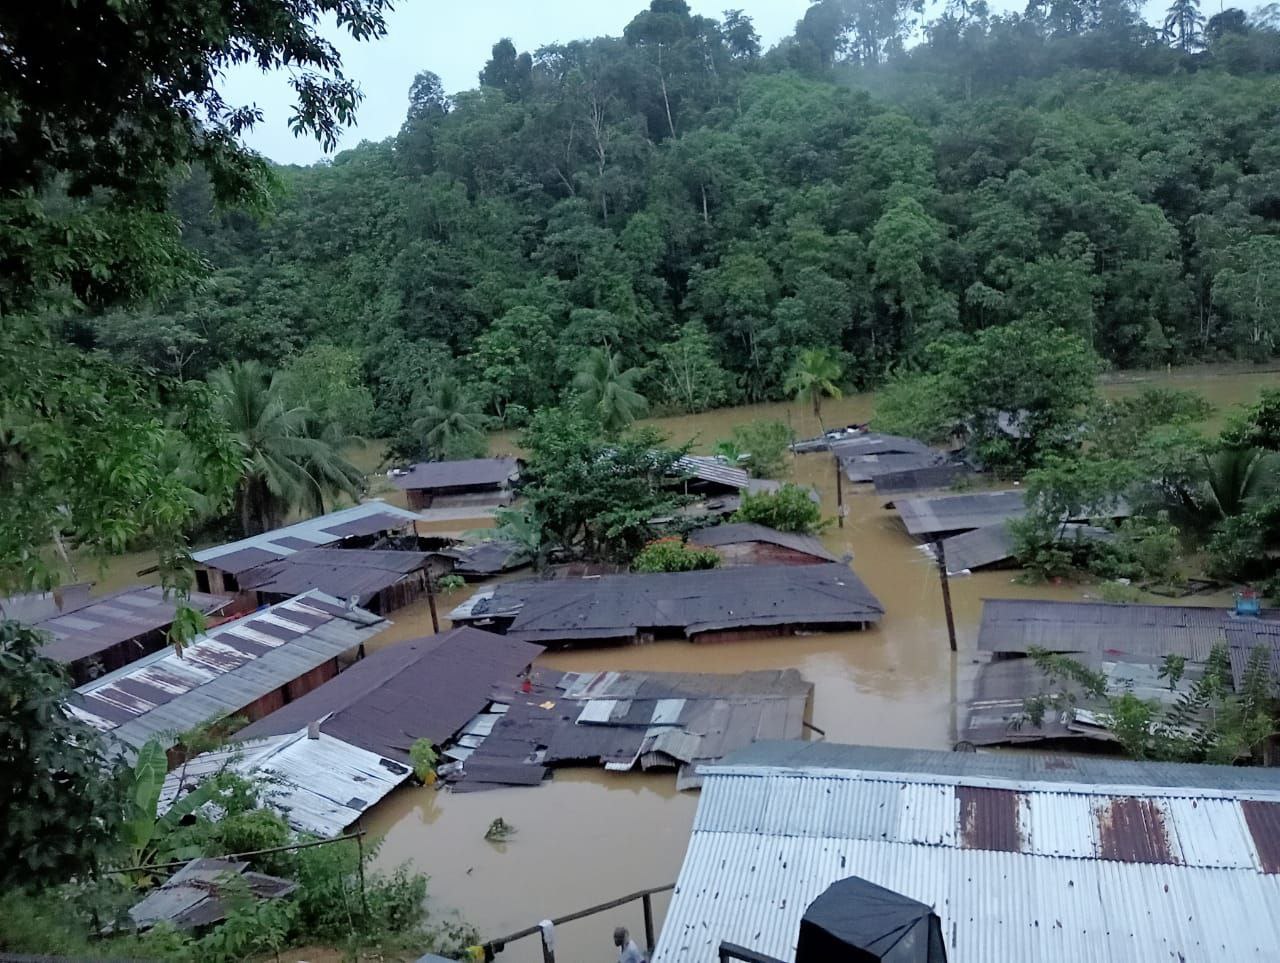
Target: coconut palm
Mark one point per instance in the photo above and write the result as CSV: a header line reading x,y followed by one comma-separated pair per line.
x,y
609,394
814,376
1231,482
292,459
450,422
1184,24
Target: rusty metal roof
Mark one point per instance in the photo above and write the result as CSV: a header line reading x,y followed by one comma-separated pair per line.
x,y
471,472
424,688
341,572
1151,631
1021,861
223,671
192,897
367,518
100,623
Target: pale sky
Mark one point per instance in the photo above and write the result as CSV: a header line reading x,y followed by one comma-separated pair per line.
x,y
454,40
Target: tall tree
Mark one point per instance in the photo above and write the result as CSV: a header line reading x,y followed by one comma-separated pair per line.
x,y
450,423
608,393
291,459
814,376
1184,25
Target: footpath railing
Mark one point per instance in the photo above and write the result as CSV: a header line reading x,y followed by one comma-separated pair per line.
x,y
487,951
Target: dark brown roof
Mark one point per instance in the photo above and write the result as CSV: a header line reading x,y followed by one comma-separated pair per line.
x,y
619,606
734,533
487,558
915,480
98,624
424,688
341,572
429,475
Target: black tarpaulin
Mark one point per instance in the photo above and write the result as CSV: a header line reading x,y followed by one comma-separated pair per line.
x,y
855,921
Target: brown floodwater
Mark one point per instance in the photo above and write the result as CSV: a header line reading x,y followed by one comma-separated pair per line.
x,y
589,836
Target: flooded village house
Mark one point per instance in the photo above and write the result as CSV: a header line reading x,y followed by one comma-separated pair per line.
x,y
261,559
715,605
475,482
246,668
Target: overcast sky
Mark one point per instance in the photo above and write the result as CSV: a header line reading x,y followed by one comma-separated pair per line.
x,y
454,40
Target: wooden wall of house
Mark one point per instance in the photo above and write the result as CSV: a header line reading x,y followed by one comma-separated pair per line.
x,y
409,589
762,553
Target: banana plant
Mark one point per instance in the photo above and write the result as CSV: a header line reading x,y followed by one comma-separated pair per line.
x,y
148,835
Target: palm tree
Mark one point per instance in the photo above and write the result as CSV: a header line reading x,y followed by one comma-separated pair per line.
x,y
814,376
608,393
1231,482
1184,23
451,422
292,459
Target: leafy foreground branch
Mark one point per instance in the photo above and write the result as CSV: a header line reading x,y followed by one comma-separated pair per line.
x,y
1206,720
75,817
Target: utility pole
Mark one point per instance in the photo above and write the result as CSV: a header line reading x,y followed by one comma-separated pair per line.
x,y
839,491
941,555
431,601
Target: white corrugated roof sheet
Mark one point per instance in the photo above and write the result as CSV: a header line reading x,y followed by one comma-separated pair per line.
x,y
1016,870
319,786
312,533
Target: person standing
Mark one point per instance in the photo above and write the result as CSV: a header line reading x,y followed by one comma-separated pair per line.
x,y
628,952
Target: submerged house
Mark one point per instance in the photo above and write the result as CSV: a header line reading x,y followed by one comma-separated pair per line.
x,y
758,601
950,514
380,580
242,669
474,482
218,569
746,543
330,755
1022,857
94,636
870,455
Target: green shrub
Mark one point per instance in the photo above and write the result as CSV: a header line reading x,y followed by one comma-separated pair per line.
x,y
673,555
789,509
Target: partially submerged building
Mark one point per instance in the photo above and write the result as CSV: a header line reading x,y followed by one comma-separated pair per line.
x,y
380,580
94,636
950,514
218,568
474,482
624,721
317,783
746,543
994,547
246,668
198,894
867,456
480,560
714,605
426,688
1023,857
918,481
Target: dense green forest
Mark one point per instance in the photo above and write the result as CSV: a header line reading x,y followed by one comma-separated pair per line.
x,y
705,210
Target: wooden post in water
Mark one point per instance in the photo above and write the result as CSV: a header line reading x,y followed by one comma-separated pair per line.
x,y
650,940
839,491
431,601
941,555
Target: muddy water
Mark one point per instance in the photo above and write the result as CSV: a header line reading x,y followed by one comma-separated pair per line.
x,y
587,837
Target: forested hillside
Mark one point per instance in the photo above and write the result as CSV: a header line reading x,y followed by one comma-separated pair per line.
x,y
706,210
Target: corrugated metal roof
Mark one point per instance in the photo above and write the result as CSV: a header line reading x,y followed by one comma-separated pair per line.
x,y
1017,625
366,518
341,572
423,688
955,513
1018,870
487,557
732,533
223,671
867,468
992,545
192,897
708,468
618,606
876,443
97,624
319,785
913,481
429,475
